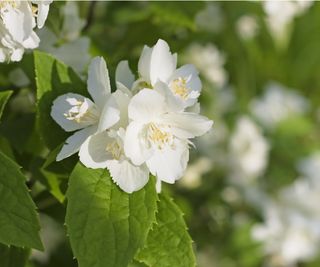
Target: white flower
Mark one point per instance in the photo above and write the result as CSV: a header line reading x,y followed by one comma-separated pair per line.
x,y
67,45
291,231
17,21
158,64
287,236
209,60
76,112
277,104
105,150
279,16
210,18
158,137
248,152
247,27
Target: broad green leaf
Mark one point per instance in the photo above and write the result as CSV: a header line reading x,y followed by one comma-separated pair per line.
x,y
13,256
168,243
4,96
19,224
5,147
53,78
106,225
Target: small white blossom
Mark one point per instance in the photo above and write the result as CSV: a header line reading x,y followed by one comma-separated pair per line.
x,y
248,152
158,137
279,16
181,86
247,27
291,231
17,22
277,104
76,112
68,44
209,60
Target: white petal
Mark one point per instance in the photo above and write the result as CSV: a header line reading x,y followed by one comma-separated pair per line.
x,y
187,125
135,146
162,63
124,89
61,106
123,101
17,54
144,63
93,153
187,71
98,81
146,106
18,21
110,114
74,142
194,109
2,55
43,10
32,42
129,177
174,104
124,75
169,164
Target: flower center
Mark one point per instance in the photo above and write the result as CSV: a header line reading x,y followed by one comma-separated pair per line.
x,y
5,3
115,149
179,87
82,111
158,136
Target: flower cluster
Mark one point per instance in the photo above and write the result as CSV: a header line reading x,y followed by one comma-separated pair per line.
x,y
17,22
144,127
290,232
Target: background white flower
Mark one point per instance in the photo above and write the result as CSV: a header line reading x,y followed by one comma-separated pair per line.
x,y
209,60
248,152
68,46
17,22
277,104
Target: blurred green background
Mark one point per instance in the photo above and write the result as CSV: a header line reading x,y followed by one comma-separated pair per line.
x,y
247,53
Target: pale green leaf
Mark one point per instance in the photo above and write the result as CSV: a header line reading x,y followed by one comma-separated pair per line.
x,y
53,78
19,224
168,243
107,226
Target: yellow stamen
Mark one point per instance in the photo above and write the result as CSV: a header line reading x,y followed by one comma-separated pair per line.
x,y
4,3
115,149
179,87
158,136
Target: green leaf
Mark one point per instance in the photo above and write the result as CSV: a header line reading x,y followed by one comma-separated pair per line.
x,y
106,225
4,97
53,78
168,243
13,256
5,147
19,224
